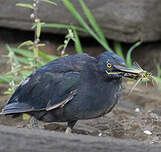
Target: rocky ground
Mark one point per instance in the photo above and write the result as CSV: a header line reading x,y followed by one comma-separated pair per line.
x,y
137,116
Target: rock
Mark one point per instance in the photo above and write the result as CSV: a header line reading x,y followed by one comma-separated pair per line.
x,y
20,139
126,21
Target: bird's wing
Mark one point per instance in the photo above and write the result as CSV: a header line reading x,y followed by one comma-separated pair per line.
x,y
61,90
50,86
43,91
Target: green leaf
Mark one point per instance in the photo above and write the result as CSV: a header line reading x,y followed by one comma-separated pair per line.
x,y
31,48
63,26
9,92
4,79
40,45
81,21
128,56
158,70
47,57
26,43
33,26
77,43
23,60
40,63
157,65
36,52
25,116
43,55
23,52
11,52
60,47
158,80
53,57
92,21
50,2
38,29
26,73
118,49
25,5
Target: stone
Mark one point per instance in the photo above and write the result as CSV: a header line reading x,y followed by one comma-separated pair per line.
x,y
35,140
122,20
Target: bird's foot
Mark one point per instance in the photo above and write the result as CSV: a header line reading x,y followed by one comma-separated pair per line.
x,y
33,123
68,130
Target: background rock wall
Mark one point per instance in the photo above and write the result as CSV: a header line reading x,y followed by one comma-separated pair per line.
x,y
123,20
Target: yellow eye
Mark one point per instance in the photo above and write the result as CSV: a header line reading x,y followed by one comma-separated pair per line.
x,y
109,65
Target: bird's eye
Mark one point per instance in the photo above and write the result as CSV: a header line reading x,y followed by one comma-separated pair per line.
x,y
109,65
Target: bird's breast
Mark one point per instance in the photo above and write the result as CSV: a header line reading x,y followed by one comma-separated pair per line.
x,y
94,100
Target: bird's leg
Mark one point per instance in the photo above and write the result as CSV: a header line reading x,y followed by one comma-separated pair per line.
x,y
70,127
33,122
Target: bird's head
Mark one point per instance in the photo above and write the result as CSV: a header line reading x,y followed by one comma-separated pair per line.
x,y
113,66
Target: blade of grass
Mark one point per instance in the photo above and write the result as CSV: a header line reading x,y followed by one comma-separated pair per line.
x,y
158,80
158,70
157,65
118,49
26,73
63,26
23,52
128,56
77,43
38,29
9,92
23,60
50,2
92,21
48,58
26,43
25,5
81,21
4,79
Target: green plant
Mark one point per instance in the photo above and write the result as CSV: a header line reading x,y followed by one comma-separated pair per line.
x,y
71,35
22,62
34,45
127,58
21,65
158,77
118,49
158,67
95,31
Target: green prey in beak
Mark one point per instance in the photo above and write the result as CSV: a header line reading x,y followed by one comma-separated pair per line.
x,y
137,73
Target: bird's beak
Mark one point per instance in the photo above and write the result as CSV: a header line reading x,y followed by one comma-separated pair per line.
x,y
131,72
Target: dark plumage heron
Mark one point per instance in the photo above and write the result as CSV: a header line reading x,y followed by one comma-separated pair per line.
x,y
70,88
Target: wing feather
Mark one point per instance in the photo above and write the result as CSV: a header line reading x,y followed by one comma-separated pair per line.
x,y
50,86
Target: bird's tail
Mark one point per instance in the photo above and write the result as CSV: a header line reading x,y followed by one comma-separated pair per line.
x,y
16,107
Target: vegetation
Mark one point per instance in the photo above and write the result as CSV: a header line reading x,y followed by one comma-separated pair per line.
x,y
28,55
23,61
